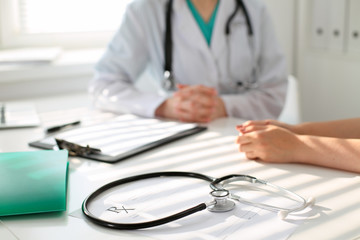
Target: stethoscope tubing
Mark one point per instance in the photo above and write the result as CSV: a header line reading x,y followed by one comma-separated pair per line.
x,y
148,224
169,81
216,184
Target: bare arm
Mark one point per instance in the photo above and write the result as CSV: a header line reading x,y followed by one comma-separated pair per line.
x,y
336,153
276,144
346,128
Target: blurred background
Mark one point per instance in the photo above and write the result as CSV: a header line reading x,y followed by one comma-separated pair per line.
x,y
55,44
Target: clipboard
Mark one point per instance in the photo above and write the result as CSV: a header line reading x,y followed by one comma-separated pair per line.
x,y
119,138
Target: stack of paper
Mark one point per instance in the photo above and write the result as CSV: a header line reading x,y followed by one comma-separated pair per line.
x,y
18,114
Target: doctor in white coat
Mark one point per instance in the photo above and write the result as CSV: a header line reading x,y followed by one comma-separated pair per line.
x,y
237,74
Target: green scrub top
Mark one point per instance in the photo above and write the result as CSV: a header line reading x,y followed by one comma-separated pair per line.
x,y
205,27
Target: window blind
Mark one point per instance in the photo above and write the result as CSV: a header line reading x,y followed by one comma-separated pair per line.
x,y
69,16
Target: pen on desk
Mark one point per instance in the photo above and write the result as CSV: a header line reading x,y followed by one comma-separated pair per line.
x,y
61,127
3,114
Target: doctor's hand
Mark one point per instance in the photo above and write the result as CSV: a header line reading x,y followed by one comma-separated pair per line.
x,y
193,104
271,143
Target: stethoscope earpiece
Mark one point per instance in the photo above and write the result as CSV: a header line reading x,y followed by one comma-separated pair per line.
x,y
282,214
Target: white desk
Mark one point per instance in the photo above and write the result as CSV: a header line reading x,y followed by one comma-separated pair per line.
x,y
212,152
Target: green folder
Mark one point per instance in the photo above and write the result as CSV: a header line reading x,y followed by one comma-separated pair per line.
x,y
33,182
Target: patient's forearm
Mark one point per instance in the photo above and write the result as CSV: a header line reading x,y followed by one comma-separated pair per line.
x,y
347,128
336,153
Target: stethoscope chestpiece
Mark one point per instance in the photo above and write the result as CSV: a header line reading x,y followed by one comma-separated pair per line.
x,y
221,201
168,82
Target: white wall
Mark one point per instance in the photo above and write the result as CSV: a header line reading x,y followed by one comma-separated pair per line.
x,y
283,14
329,80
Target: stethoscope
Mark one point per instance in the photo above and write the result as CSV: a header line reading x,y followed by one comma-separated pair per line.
x,y
222,199
169,80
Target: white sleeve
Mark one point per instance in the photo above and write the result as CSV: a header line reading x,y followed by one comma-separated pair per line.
x,y
126,57
111,94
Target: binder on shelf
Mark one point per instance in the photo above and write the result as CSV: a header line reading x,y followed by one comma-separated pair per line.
x,y
119,138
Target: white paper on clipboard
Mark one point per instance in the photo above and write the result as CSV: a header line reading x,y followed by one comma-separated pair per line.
x,y
123,136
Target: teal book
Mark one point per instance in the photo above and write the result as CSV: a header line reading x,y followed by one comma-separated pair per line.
x,y
33,182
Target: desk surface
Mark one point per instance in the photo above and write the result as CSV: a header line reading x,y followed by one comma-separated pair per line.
x,y
212,152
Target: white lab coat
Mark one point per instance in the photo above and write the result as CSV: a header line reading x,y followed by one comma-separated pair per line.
x,y
139,43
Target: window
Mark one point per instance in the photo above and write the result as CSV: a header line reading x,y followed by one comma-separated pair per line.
x,y
67,23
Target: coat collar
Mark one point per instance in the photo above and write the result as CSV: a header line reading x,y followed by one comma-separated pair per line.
x,y
189,28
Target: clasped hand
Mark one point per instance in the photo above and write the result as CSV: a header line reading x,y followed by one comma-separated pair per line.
x,y
268,140
196,103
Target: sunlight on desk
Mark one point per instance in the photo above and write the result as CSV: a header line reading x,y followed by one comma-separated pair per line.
x,y
154,198
212,153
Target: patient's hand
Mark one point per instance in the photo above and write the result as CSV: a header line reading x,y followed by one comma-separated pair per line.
x,y
270,143
250,126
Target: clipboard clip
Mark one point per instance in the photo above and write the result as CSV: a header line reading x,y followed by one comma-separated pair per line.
x,y
75,149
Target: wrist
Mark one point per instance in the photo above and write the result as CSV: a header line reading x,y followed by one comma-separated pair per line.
x,y
159,112
304,153
221,109
298,129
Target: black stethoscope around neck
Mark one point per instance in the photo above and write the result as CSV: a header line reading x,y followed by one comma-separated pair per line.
x,y
169,80
223,200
